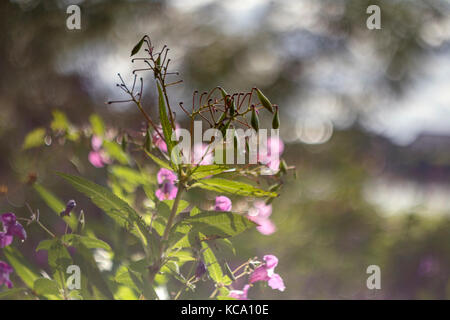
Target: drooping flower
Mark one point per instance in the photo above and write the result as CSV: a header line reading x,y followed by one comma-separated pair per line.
x,y
11,228
260,213
265,272
240,294
69,207
222,204
166,180
97,157
5,270
269,154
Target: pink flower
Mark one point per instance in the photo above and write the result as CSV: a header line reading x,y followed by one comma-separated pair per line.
x,y
5,270
202,154
158,141
167,190
260,214
97,156
240,294
222,204
11,228
158,138
269,155
266,273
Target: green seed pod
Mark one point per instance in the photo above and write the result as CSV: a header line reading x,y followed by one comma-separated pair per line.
x,y
228,101
254,121
276,119
229,272
264,101
147,142
124,143
283,166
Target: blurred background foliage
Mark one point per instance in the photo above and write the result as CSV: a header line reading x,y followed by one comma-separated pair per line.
x,y
365,117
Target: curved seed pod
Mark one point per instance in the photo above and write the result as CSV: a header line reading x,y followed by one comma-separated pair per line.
x,y
228,101
124,143
276,119
137,47
147,142
264,101
283,166
254,121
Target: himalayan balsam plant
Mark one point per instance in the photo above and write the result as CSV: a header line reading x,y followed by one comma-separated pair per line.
x,y
167,235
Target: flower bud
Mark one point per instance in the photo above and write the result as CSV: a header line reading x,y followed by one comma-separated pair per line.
x,y
283,166
228,101
147,142
200,270
264,101
276,119
124,143
254,121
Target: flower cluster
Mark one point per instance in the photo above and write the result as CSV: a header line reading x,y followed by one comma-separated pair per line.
x,y
11,229
265,272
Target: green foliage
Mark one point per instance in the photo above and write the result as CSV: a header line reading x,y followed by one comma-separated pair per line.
x,y
34,139
233,187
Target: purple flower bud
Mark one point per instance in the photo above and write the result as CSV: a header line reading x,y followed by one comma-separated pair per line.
x,y
69,207
5,270
201,269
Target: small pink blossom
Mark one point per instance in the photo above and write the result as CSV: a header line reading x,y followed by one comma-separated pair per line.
x,y
5,270
240,294
97,157
167,190
158,141
266,273
260,213
223,204
158,137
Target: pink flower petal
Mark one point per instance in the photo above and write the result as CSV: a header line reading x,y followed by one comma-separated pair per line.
x,y
276,282
96,159
96,143
166,175
271,261
240,294
260,274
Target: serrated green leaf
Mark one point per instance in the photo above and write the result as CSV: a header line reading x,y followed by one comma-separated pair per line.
x,y
220,224
89,242
165,123
213,267
113,206
204,171
44,286
232,187
34,139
